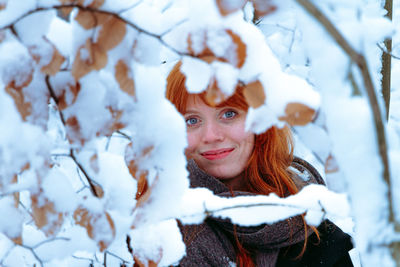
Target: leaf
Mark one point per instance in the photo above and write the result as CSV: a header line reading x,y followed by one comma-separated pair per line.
x,y
123,76
111,33
116,123
214,96
331,165
70,89
73,129
254,94
16,92
149,263
16,195
3,5
88,57
133,162
65,12
227,7
94,163
45,216
263,7
90,19
239,48
56,61
99,226
95,3
298,114
92,4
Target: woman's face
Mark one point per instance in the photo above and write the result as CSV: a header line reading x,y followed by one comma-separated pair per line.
x,y
217,140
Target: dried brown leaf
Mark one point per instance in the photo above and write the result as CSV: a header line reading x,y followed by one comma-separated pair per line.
x,y
90,19
133,162
16,92
331,165
111,33
123,76
94,163
142,186
17,240
298,114
263,7
240,49
74,90
116,123
214,96
99,226
56,61
3,5
66,11
45,216
227,7
96,3
205,52
254,94
16,194
73,130
88,57
149,263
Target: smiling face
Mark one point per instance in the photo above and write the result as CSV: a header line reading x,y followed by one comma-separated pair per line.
x,y
217,140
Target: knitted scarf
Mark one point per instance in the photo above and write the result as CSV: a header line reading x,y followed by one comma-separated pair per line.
x,y
264,241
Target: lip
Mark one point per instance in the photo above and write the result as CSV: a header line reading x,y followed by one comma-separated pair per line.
x,y
217,154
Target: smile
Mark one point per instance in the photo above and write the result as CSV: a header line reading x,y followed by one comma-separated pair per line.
x,y
217,154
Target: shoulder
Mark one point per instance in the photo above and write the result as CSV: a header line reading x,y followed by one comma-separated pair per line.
x,y
331,249
303,173
205,246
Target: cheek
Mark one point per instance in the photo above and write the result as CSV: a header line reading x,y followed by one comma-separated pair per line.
x,y
192,139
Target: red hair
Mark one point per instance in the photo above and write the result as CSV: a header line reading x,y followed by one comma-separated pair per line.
x,y
267,169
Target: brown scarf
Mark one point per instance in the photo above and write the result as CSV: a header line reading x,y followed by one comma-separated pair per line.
x,y
264,241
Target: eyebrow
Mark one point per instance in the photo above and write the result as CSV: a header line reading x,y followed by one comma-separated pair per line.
x,y
190,111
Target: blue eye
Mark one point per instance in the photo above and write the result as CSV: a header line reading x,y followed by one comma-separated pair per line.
x,y
229,114
191,121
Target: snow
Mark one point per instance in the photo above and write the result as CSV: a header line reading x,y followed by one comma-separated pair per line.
x,y
198,74
289,53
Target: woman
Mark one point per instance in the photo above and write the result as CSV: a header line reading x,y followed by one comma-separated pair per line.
x,y
230,161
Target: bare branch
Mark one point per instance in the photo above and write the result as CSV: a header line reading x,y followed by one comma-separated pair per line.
x,y
90,181
384,50
361,62
50,240
54,97
117,16
116,256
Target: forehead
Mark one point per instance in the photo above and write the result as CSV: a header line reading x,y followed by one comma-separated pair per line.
x,y
195,102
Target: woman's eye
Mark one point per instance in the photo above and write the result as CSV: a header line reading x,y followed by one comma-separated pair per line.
x,y
191,121
229,114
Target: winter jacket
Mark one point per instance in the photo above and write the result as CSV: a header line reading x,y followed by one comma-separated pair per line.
x,y
279,244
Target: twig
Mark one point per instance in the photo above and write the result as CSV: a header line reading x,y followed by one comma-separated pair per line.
x,y
33,253
117,16
128,244
50,240
90,181
384,50
54,97
361,62
116,256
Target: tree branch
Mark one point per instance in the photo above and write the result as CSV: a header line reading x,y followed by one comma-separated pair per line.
x,y
80,7
361,62
90,181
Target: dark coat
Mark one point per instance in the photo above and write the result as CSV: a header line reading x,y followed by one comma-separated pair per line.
x,y
330,250
211,244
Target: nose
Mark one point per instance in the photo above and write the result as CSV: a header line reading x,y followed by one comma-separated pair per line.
x,y
212,133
